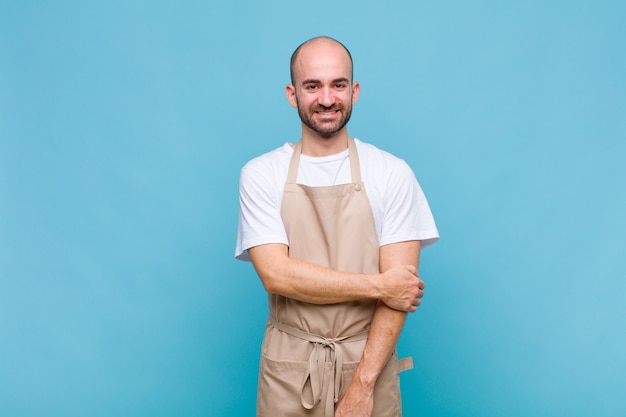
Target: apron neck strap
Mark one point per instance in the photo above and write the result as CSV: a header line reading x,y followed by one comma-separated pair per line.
x,y
355,167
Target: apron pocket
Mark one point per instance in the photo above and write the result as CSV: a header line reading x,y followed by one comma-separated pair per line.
x,y
387,400
349,368
280,389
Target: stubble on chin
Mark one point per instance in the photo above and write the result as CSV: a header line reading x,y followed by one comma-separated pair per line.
x,y
320,130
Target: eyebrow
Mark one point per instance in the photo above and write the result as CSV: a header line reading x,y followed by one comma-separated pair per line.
x,y
315,81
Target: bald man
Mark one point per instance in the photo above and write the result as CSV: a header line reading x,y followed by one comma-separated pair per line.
x,y
334,227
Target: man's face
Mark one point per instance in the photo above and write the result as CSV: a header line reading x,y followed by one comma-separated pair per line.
x,y
323,90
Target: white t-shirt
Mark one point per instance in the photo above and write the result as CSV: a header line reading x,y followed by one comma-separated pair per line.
x,y
400,209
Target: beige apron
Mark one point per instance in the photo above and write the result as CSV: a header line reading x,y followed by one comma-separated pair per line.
x,y
310,352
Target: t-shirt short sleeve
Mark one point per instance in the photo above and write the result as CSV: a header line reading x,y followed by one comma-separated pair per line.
x,y
406,213
259,215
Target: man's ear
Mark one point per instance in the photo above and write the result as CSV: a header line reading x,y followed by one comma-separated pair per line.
x,y
290,91
356,90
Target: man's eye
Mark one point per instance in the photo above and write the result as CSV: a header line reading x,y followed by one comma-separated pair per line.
x,y
340,85
311,87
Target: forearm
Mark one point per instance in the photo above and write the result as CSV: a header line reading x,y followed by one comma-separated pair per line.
x,y
307,282
385,330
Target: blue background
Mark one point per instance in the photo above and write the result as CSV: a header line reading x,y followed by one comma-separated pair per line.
x,y
123,126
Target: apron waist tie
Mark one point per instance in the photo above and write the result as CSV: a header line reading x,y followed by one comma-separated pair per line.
x,y
317,359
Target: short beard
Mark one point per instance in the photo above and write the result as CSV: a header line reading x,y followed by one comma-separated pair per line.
x,y
325,133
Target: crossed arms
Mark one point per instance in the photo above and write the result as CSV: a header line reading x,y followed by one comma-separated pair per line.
x,y
397,288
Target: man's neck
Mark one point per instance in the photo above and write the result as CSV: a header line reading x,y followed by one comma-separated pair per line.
x,y
316,145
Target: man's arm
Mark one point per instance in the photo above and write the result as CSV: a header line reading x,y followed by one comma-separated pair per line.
x,y
384,332
398,286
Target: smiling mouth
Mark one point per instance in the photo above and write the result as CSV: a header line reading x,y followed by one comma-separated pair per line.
x,y
330,112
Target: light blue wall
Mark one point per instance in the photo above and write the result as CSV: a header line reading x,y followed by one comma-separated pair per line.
x,y
123,126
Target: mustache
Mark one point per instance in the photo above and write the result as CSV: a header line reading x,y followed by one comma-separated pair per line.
x,y
334,107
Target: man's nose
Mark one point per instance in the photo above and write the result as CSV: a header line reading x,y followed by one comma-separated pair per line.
x,y
326,97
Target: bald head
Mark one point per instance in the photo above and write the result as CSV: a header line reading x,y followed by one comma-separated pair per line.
x,y
314,45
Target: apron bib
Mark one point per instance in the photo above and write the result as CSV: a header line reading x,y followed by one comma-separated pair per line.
x,y
311,351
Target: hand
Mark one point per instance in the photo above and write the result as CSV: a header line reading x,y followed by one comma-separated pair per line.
x,y
401,288
358,402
